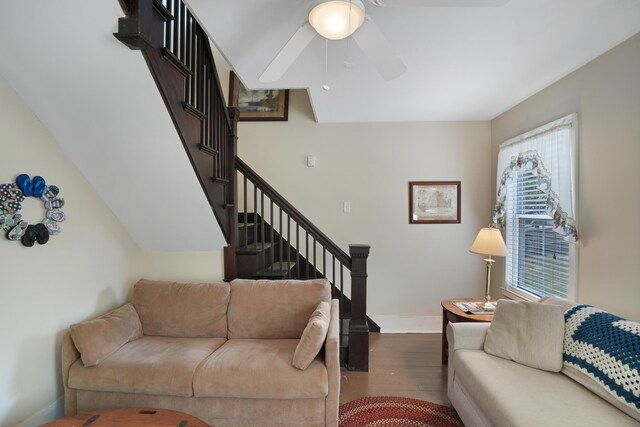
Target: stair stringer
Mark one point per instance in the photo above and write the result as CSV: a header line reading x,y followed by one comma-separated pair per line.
x,y
170,82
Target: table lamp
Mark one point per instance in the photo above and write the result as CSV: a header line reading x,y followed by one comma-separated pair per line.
x,y
489,242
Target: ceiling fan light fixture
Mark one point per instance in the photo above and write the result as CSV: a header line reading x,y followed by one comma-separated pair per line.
x,y
337,19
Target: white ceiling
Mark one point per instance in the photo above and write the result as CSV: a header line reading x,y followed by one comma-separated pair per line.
x,y
463,63
100,103
98,100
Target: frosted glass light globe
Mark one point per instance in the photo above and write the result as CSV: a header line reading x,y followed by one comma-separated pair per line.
x,y
337,19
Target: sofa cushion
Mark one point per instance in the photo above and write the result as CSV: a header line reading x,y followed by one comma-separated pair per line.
x,y
602,352
149,365
98,338
188,310
259,369
313,337
274,308
512,336
514,395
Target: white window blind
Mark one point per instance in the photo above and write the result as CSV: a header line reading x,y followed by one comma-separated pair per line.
x,y
540,259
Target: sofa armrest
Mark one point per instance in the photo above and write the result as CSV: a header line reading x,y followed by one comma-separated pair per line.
x,y
466,335
332,361
68,356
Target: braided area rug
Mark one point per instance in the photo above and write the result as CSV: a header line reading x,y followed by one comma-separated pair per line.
x,y
396,412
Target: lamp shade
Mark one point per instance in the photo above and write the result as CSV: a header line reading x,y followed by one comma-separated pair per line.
x,y
337,19
489,242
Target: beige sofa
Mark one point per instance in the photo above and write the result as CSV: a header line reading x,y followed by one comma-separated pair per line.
x,y
487,390
221,352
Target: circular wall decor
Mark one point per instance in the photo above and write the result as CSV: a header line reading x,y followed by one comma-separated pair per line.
x,y
11,221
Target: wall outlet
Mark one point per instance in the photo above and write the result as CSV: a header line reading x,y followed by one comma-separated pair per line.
x,y
346,207
311,161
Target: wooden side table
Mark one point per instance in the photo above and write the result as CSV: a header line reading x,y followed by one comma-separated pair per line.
x,y
129,417
451,313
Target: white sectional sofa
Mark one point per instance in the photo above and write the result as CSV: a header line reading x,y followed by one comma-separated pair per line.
x,y
487,390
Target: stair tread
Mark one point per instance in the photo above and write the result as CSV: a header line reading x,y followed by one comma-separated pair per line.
x,y
278,267
253,247
243,225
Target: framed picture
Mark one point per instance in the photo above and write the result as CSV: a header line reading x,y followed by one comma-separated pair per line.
x,y
434,202
258,105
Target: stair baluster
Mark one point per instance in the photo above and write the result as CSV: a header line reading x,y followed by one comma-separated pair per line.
x,y
273,255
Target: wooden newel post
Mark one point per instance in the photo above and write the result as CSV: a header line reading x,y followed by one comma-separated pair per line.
x,y
358,327
230,265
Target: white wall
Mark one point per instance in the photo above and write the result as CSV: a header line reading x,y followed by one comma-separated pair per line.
x,y
101,104
606,95
411,267
82,272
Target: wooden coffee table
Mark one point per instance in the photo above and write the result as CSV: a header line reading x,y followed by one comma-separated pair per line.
x,y
451,313
129,417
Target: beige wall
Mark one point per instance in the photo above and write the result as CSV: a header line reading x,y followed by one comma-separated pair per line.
x,y
82,272
411,267
606,95
188,266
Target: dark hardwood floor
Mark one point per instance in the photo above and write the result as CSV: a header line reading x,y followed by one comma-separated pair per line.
x,y
406,365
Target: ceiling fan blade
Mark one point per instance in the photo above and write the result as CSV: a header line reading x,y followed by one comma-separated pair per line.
x,y
379,51
439,3
288,54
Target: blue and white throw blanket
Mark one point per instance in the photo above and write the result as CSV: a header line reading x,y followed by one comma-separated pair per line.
x,y
606,349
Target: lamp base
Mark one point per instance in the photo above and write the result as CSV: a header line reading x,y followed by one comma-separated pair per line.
x,y
488,306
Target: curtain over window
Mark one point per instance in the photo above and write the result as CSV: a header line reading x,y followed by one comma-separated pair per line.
x,y
536,205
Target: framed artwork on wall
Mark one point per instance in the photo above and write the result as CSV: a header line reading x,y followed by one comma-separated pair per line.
x,y
258,105
434,202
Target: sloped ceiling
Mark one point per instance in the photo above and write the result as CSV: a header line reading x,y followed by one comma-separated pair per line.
x,y
462,63
99,101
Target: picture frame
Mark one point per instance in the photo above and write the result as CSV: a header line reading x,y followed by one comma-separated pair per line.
x,y
434,202
258,105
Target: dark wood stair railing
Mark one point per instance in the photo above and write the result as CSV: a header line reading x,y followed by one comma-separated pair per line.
x,y
277,240
178,54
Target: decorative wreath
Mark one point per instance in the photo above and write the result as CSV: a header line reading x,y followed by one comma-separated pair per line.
x,y
11,221
530,161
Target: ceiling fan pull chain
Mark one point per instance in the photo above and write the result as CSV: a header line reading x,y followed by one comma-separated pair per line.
x,y
347,63
326,86
326,57
350,6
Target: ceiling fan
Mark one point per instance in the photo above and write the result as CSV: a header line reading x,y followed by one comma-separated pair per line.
x,y
339,19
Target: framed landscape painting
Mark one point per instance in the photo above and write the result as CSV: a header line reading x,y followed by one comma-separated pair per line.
x,y
434,202
258,105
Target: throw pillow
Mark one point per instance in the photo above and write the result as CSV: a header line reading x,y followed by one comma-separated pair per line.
x,y
602,352
562,302
313,337
98,338
528,333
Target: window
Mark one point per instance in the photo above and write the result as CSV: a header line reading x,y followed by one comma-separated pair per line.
x,y
536,199
538,258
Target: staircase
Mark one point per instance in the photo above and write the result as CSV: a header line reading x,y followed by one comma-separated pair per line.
x,y
268,238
